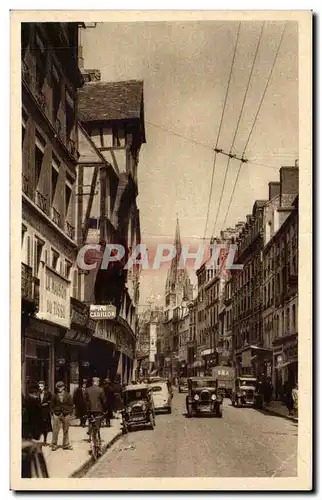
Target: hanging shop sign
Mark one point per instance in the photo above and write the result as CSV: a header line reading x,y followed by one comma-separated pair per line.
x,y
107,311
55,299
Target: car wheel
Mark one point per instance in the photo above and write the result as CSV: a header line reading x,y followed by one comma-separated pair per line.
x,y
152,422
189,411
239,403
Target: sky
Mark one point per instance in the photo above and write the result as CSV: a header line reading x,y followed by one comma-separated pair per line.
x,y
185,67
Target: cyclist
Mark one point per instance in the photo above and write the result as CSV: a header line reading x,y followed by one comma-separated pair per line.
x,y
96,404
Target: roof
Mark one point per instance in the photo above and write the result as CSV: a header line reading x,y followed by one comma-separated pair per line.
x,y
135,387
99,101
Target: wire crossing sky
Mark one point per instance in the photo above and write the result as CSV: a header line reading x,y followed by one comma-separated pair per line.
x,y
185,67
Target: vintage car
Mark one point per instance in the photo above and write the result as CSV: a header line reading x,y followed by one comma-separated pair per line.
x,y
245,392
203,397
183,385
33,463
138,407
162,397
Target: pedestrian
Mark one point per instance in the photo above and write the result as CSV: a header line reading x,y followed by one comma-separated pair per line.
x,y
117,390
270,390
295,398
32,424
80,402
62,409
95,404
45,401
109,398
288,386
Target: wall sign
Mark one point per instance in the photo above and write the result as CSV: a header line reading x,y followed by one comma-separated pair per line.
x,y
107,311
55,299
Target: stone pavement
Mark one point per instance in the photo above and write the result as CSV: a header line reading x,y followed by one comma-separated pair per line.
x,y
74,463
278,408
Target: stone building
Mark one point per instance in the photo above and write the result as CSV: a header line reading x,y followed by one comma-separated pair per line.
x,y
55,324
247,339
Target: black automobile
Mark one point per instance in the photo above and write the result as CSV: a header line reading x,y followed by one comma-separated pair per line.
x,y
203,397
138,407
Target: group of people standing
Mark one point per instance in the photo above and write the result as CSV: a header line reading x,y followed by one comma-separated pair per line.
x,y
43,412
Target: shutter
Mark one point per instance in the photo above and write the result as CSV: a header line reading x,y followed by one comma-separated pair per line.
x,y
75,284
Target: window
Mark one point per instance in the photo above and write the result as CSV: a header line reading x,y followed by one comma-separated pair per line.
x,y
54,259
39,156
287,326
68,193
54,178
56,93
68,267
70,114
41,62
294,322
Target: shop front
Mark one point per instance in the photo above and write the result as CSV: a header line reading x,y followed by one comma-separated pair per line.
x,y
285,362
253,360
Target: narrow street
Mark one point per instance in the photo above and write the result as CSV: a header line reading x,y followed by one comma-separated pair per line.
x,y
245,442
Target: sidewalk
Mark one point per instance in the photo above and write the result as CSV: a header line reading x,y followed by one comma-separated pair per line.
x,y
279,409
74,463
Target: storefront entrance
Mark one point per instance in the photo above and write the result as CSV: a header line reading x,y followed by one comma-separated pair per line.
x,y
38,362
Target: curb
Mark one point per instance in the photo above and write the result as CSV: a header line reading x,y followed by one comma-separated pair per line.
x,y
277,414
78,473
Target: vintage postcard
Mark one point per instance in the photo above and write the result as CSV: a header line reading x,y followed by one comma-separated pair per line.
x,y
161,194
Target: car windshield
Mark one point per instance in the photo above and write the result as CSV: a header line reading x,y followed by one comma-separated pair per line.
x,y
130,396
157,388
250,381
203,383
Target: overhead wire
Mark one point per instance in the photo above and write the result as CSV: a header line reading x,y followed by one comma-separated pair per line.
x,y
237,126
254,122
219,129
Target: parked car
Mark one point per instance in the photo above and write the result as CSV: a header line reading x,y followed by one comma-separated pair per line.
x,y
183,385
161,395
203,397
245,392
138,407
33,463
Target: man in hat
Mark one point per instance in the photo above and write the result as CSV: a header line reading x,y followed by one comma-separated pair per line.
x,y
62,409
95,403
80,403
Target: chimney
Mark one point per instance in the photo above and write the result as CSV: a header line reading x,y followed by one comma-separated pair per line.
x,y
273,189
289,181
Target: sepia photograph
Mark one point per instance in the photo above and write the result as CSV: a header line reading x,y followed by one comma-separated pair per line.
x,y
162,226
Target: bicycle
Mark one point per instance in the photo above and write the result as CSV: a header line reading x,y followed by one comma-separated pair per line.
x,y
94,434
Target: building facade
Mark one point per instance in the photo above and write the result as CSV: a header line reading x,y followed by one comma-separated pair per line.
x,y
54,328
280,278
111,133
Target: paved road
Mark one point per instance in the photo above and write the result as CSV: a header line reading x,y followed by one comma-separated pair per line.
x,y
244,443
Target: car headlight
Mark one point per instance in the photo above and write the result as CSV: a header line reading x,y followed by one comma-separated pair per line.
x,y
243,393
143,407
196,397
213,397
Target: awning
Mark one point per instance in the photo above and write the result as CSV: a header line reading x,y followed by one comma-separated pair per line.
x,y
206,352
290,362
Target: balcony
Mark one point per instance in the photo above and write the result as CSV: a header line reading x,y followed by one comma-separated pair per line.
x,y
56,218
41,99
26,74
29,286
70,230
41,202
